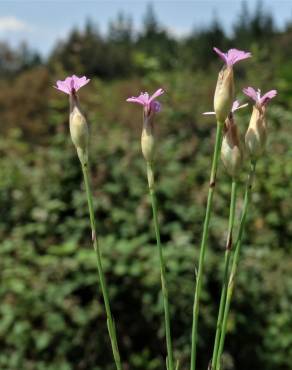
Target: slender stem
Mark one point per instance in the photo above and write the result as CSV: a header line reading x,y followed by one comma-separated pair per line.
x,y
226,270
235,261
110,320
170,359
199,274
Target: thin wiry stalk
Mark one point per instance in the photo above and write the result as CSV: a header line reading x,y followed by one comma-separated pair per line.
x,y
199,276
235,261
110,321
226,271
164,286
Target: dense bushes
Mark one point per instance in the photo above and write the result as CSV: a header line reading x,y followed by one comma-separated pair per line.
x,y
50,316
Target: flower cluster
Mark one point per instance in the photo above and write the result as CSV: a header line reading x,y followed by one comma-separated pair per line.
x,y
228,143
255,138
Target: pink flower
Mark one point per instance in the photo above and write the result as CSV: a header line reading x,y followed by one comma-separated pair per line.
x,y
71,84
235,107
256,95
149,103
232,56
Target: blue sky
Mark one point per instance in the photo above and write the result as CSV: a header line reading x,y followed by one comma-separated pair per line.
x,y
41,23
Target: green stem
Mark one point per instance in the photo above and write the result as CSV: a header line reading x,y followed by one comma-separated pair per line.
x,y
110,320
235,261
170,359
199,274
226,270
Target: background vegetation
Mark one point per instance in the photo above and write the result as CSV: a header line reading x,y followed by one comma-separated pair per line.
x,y
50,317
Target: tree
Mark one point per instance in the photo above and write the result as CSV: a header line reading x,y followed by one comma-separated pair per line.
x,y
198,46
15,61
156,42
257,28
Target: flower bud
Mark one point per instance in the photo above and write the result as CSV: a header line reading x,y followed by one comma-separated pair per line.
x,y
256,135
150,108
78,129
147,138
224,93
231,151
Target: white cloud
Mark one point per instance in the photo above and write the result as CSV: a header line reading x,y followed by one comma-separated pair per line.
x,y
13,24
179,32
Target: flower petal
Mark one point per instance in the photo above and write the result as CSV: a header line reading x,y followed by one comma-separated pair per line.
x,y
134,99
221,54
62,86
267,97
236,106
156,94
209,113
241,106
251,93
155,106
234,55
144,97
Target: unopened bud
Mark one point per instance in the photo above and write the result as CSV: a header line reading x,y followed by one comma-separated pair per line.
x,y
78,129
231,151
256,135
147,138
224,93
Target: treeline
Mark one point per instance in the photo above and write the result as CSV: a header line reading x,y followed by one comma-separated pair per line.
x,y
123,52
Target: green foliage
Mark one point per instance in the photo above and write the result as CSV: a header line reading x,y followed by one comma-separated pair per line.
x,y
52,316
51,311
